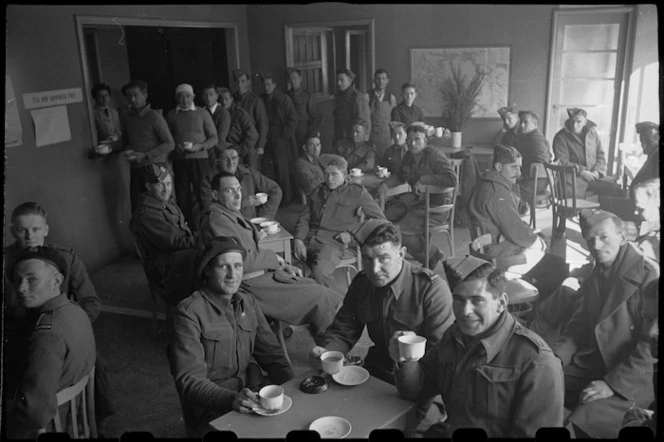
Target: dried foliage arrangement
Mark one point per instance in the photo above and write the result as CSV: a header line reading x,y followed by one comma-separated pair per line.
x,y
459,98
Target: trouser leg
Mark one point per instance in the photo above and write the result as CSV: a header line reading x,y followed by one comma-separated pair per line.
x,y
198,169
324,260
103,397
182,187
136,185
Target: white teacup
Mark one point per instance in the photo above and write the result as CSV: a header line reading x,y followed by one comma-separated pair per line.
x,y
261,197
103,149
412,346
382,171
439,132
271,397
270,226
332,361
114,137
187,145
356,172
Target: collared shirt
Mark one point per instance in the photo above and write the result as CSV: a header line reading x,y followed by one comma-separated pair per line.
x,y
358,155
417,300
215,339
508,383
407,114
146,131
211,109
192,107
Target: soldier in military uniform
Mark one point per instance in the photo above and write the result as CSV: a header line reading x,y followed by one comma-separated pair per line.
x,y
491,372
56,349
242,132
308,115
395,154
279,288
159,228
30,229
422,165
308,168
330,209
350,104
254,106
358,153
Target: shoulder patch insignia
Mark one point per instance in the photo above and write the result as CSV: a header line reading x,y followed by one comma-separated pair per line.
x,y
45,321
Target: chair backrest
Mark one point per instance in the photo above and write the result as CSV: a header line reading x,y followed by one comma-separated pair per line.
x,y
80,398
456,164
393,191
562,181
537,171
436,210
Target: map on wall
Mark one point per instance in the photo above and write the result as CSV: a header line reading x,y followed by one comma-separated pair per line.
x,y
429,67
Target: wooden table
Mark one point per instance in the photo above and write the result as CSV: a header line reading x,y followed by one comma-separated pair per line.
x,y
369,180
280,242
368,406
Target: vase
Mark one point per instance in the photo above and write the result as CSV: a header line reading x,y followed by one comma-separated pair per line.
x,y
456,140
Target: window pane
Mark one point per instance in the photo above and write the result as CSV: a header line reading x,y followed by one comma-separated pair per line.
x,y
591,37
580,92
589,65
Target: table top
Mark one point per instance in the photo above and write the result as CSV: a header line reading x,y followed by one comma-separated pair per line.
x,y
369,180
368,406
282,235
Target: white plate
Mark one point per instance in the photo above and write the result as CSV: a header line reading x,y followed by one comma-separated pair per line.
x,y
273,233
331,427
284,408
258,220
351,375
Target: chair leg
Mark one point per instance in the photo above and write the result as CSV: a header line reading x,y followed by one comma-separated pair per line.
x,y
282,340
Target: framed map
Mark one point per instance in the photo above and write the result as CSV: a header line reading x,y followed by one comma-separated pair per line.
x,y
429,67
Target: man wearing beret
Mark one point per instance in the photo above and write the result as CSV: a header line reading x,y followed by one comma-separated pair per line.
x,y
57,348
647,202
534,148
255,107
491,372
252,181
350,105
578,144
279,288
160,230
422,165
649,138
222,341
308,169
333,206
607,360
195,134
359,154
508,133
493,206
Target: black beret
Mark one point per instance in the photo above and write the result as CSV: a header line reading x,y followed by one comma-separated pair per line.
x,y
155,173
217,246
645,126
589,218
457,269
43,253
362,230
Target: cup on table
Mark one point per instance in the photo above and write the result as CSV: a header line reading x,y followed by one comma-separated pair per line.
x,y
411,346
114,137
187,145
103,149
439,132
382,171
332,361
270,226
356,172
261,197
271,397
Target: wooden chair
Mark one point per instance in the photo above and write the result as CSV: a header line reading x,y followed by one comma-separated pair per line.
x,y
479,240
278,330
536,171
353,264
80,398
446,228
393,191
564,203
153,287
456,164
303,197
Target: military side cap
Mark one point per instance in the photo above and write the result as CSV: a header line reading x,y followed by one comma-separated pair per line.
x,y
348,72
43,253
218,246
574,111
589,218
505,154
361,231
394,125
360,122
644,126
503,111
458,269
155,173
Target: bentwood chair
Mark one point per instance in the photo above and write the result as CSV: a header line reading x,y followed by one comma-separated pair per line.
x,y
536,171
153,287
81,412
353,265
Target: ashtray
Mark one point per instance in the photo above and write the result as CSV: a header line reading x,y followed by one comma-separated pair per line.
x,y
314,384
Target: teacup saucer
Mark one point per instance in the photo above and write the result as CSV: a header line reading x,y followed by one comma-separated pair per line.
x,y
271,233
357,176
284,408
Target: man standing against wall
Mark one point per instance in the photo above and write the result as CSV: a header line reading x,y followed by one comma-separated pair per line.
x,y
350,104
255,107
309,118
407,111
381,103
221,118
242,132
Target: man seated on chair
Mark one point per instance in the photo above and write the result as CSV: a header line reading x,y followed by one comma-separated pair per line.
x,y
29,226
331,208
647,202
509,132
649,138
222,341
308,168
162,234
54,350
251,180
279,288
422,165
358,153
578,144
606,357
395,154
534,148
493,206
491,372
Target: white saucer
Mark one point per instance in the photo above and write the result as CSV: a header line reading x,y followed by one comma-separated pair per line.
x,y
351,375
331,427
273,233
258,220
284,408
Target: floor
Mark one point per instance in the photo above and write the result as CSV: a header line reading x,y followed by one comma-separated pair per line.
x,y
143,388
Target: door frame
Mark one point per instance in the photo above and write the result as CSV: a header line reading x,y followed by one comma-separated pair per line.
x,y
622,93
232,43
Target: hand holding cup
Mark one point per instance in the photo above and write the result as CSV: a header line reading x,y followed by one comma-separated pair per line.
x,y
332,361
314,356
393,345
411,347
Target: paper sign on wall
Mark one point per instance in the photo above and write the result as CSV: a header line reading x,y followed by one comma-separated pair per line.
x,y
52,98
51,125
13,128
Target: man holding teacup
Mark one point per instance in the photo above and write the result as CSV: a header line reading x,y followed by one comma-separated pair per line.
x,y
222,341
490,371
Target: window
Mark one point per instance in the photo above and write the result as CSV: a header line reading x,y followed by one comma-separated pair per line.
x,y
319,50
